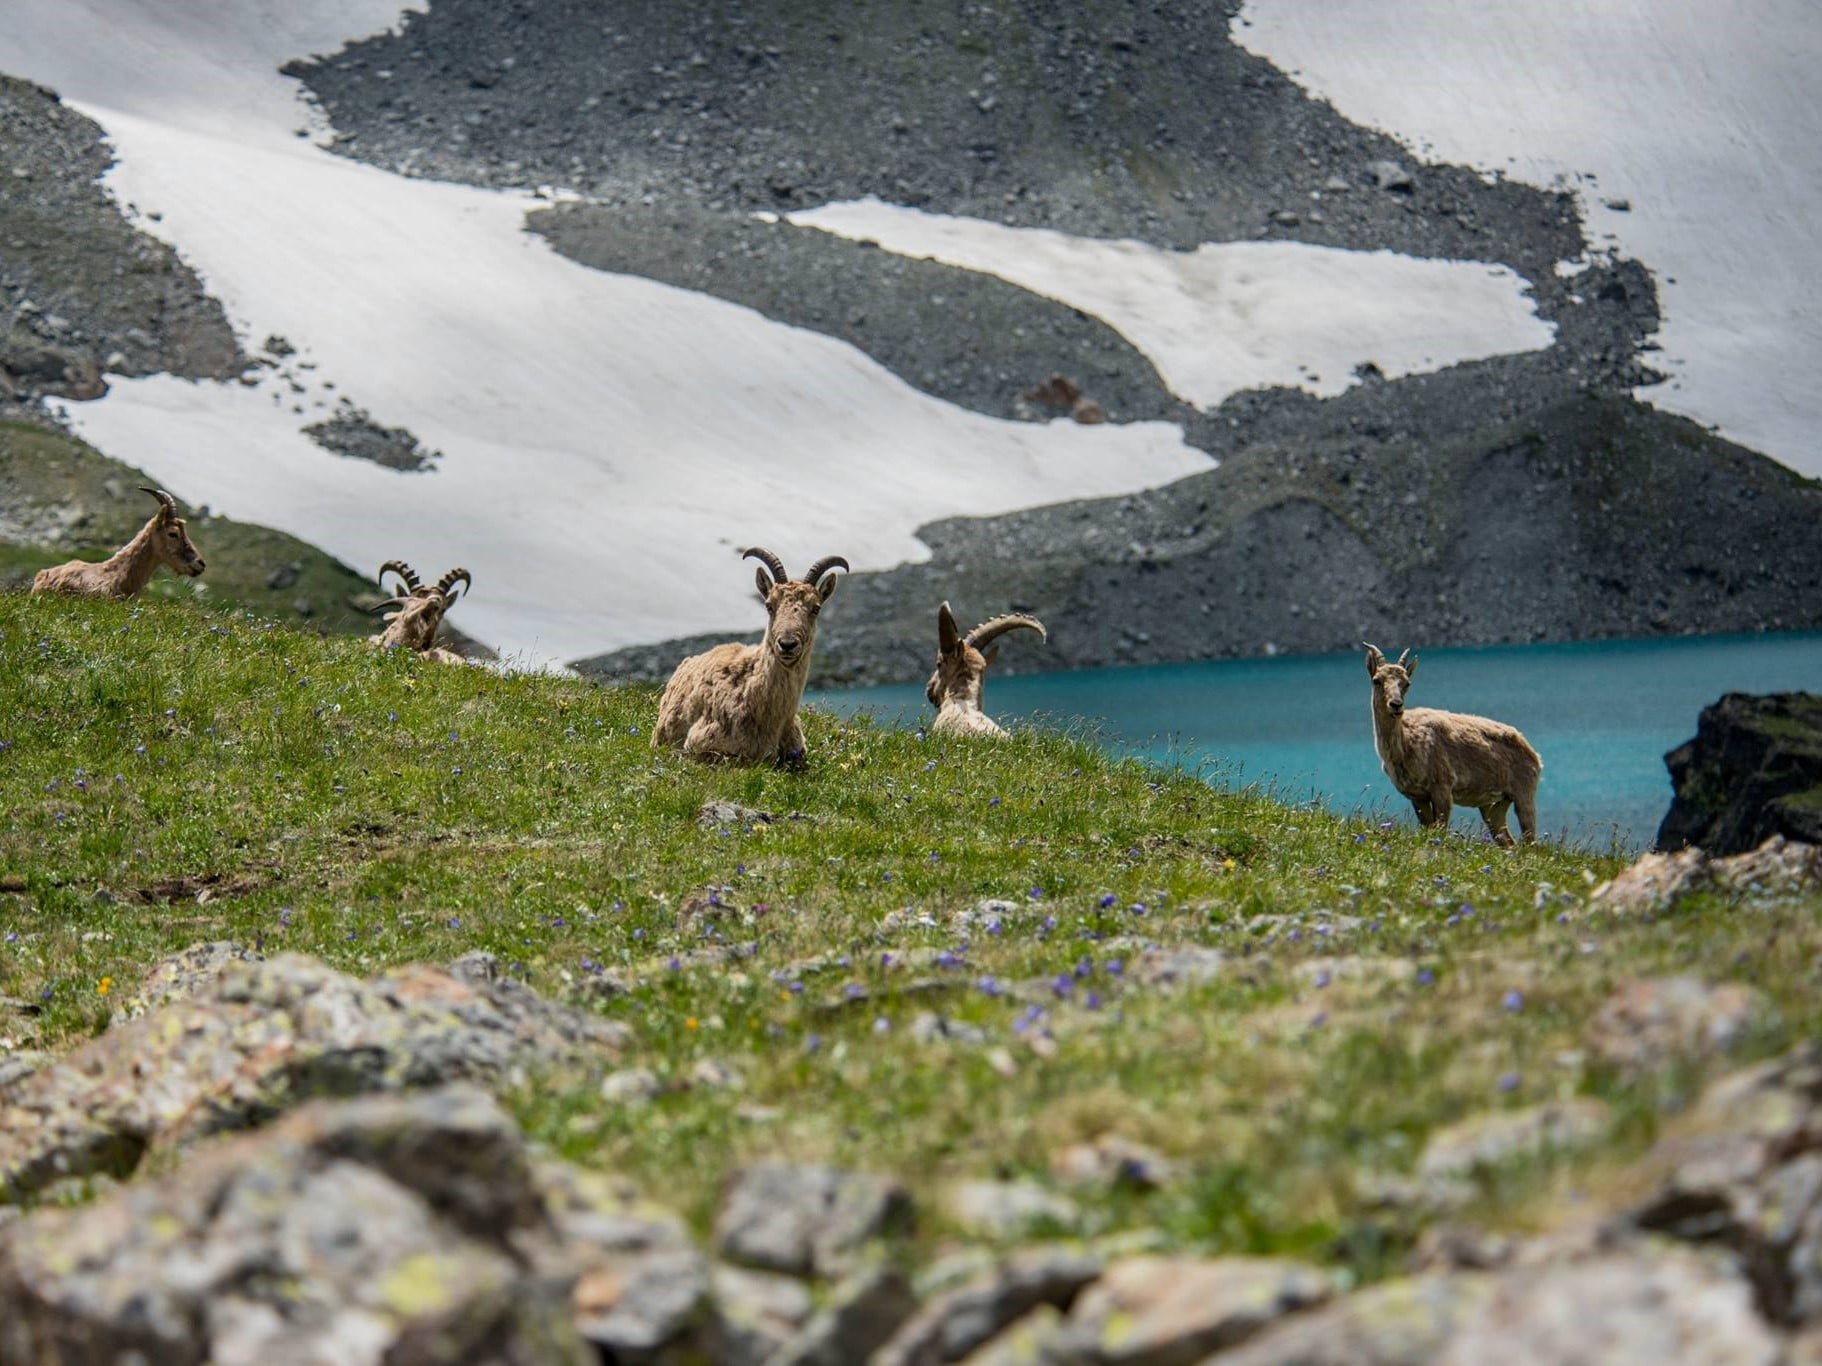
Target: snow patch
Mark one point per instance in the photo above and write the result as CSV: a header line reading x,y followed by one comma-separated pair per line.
x,y
608,443
1230,316
1702,120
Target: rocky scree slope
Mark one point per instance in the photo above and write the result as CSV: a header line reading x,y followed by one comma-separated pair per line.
x,y
676,124
83,290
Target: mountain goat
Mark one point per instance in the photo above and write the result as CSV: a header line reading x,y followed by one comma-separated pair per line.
x,y
961,671
162,540
418,612
1440,758
739,702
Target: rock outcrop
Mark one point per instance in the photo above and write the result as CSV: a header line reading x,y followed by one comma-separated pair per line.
x,y
1753,770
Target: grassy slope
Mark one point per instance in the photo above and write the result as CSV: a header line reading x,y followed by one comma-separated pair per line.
x,y
371,810
44,471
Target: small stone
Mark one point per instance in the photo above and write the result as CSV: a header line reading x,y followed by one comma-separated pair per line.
x,y
1007,1209
1486,1141
725,813
1389,175
805,1220
955,1322
631,1086
861,1314
1173,1311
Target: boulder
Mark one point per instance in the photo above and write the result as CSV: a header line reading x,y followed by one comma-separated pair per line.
x,y
861,1314
1007,1209
1172,1311
1753,770
805,1220
260,1036
955,1322
1743,1170
1485,1141
396,1229
1648,1022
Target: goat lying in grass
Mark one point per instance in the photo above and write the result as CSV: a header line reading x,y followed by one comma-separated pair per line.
x,y
162,540
1440,758
418,612
961,671
739,702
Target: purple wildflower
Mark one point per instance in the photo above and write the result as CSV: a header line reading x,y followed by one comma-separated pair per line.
x,y
1063,985
1115,967
988,986
1092,1000
1513,1001
1322,978
1084,966
1508,1082
1425,977
1107,900
1036,893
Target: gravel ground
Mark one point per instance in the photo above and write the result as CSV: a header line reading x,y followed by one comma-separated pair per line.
x,y
82,289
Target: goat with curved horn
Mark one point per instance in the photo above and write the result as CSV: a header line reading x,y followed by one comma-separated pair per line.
x,y
814,574
403,570
961,671
447,583
417,613
739,702
771,561
164,539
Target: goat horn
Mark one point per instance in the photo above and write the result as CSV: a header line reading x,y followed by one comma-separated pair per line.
x,y
771,562
990,631
403,570
449,581
823,566
165,500
389,602
1406,655
947,636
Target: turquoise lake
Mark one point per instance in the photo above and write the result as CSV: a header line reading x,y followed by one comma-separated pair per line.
x,y
1602,714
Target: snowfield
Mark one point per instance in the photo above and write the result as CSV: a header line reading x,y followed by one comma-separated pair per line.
x,y
608,443
1233,315
1704,119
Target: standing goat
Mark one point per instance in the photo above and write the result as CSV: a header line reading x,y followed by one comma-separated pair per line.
x,y
418,612
162,540
961,671
739,702
1439,758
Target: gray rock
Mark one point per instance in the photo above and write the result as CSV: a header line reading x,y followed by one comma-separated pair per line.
x,y
181,976
1486,1141
633,1308
1743,1169
389,1228
1181,965
954,1323
1406,1322
1648,1022
630,1086
1389,175
1007,1209
258,1037
862,1313
1172,1311
756,1314
1035,1340
805,1220
719,813
931,1028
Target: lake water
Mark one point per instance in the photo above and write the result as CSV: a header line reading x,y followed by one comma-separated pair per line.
x,y
1602,714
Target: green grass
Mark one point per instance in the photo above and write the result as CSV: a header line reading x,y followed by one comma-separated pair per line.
x,y
45,473
373,810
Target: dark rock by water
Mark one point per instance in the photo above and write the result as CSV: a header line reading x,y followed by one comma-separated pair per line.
x,y
1753,770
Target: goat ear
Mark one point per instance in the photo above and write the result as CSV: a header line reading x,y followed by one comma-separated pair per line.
x,y
826,589
992,653
1374,659
947,636
764,581
1410,669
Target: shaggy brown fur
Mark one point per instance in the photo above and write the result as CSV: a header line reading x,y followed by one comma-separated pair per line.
x,y
1441,758
961,671
163,540
739,702
419,612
